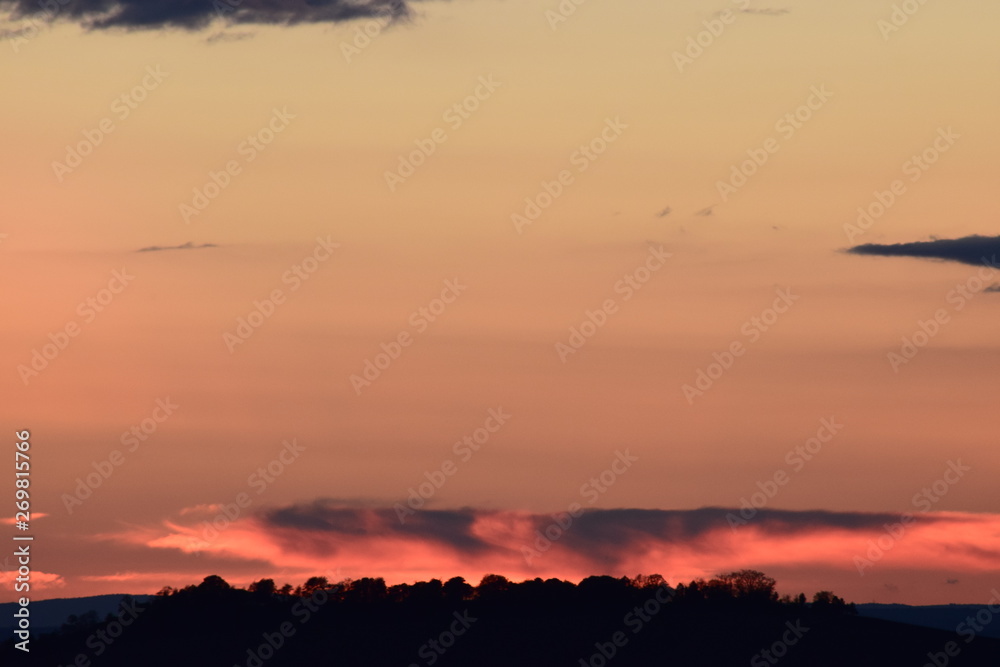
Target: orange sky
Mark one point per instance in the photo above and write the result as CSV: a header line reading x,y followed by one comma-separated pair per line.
x,y
595,111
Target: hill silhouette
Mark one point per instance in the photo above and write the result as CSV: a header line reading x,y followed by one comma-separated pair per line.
x,y
733,619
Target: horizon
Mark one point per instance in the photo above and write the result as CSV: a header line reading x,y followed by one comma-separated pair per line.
x,y
430,289
994,594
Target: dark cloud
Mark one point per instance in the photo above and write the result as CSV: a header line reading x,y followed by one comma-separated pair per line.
x,y
604,535
975,250
184,246
685,525
451,527
195,14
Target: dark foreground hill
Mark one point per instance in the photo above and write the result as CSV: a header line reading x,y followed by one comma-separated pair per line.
x,y
48,615
735,619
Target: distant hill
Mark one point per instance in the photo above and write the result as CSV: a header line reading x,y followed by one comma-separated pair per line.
x,y
49,615
942,617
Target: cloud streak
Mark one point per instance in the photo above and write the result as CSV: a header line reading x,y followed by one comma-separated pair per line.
x,y
197,14
228,37
975,249
184,246
765,11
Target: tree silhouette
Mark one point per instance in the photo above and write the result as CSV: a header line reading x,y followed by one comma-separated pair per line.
x,y
749,585
492,586
314,584
457,589
726,620
827,602
214,583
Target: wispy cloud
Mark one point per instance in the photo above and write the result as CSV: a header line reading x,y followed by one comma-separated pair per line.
x,y
974,249
184,246
223,36
765,11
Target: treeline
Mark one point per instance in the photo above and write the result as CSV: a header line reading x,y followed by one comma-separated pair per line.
x,y
735,618
744,587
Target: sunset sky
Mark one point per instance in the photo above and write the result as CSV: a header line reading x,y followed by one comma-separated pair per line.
x,y
546,264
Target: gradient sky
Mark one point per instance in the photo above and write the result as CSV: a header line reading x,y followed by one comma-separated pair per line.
x,y
653,190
